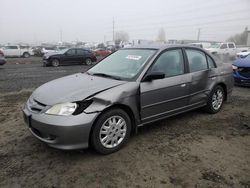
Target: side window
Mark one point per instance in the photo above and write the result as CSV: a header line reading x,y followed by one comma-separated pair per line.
x,y
223,46
80,52
71,52
231,45
11,47
196,60
210,62
170,62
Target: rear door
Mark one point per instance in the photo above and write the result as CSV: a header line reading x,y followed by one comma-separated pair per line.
x,y
163,97
198,68
81,54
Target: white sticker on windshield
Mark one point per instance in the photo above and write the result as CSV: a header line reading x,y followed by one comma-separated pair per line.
x,y
134,57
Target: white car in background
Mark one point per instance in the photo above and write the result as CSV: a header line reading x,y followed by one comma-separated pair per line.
x,y
46,50
17,51
225,49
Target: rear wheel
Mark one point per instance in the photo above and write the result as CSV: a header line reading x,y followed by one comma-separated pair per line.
x,y
215,100
55,62
26,54
88,61
111,131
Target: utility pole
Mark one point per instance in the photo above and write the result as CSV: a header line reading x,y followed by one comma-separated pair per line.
x,y
199,32
113,29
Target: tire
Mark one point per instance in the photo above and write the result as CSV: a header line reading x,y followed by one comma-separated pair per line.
x,y
55,62
215,100
26,55
88,61
107,137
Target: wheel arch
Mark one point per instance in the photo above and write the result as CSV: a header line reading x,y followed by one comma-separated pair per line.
x,y
224,87
123,107
26,52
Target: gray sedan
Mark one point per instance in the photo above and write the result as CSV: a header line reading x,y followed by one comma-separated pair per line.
x,y
128,89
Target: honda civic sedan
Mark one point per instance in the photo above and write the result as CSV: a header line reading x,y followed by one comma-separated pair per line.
x,y
128,89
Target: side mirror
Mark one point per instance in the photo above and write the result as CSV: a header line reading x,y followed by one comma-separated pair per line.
x,y
154,76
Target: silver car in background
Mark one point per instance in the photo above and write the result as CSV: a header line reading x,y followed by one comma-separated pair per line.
x,y
130,88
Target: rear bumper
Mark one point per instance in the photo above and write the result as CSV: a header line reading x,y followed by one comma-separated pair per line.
x,y
66,133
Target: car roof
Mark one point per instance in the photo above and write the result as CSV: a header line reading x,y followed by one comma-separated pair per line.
x,y
163,47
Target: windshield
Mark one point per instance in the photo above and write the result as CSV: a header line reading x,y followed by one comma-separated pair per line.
x,y
247,57
63,51
124,64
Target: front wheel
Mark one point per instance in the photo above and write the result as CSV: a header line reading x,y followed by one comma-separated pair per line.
x,y
55,62
111,131
215,100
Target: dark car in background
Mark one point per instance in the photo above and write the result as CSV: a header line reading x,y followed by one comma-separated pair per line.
x,y
70,56
2,59
241,69
130,88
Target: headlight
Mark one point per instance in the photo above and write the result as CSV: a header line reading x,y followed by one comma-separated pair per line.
x,y
234,67
63,109
45,57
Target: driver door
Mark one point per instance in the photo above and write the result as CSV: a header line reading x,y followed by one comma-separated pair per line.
x,y
167,96
70,57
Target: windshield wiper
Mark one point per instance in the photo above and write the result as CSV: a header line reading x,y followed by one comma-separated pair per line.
x,y
106,75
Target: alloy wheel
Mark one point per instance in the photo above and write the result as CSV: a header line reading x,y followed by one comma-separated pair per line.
x,y
217,99
113,132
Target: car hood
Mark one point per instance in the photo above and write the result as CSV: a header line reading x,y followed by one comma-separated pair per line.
x,y
243,53
73,88
242,63
48,54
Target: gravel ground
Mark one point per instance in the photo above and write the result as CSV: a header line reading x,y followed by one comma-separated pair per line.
x,y
194,149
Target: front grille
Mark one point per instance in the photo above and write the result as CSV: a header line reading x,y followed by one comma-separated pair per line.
x,y
244,71
35,106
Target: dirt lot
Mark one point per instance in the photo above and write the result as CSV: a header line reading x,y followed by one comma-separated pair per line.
x,y
191,150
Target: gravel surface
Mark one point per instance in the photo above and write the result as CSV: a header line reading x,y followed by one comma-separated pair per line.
x,y
24,73
194,149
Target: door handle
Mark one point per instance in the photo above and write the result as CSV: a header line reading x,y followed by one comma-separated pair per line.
x,y
183,85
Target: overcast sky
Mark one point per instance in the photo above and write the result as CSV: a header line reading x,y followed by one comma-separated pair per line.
x,y
33,21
